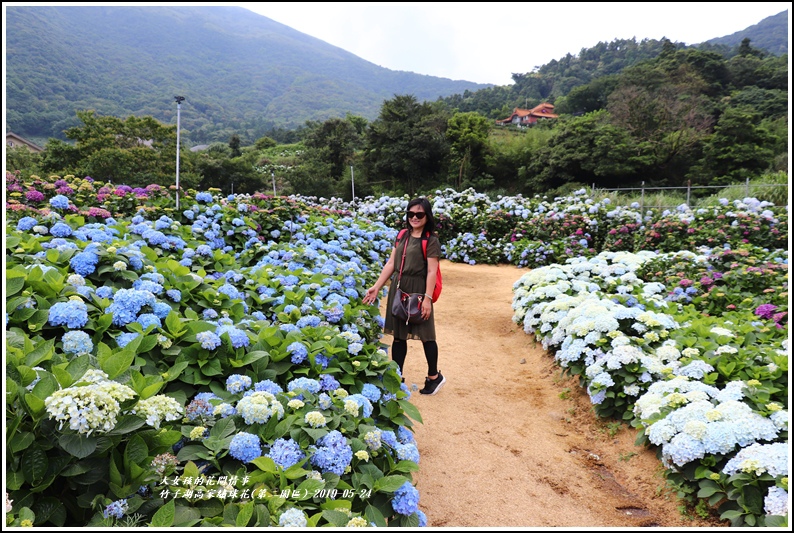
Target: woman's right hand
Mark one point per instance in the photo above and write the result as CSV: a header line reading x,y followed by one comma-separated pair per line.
x,y
370,295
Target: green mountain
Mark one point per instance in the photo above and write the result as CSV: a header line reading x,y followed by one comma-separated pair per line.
x,y
239,71
771,34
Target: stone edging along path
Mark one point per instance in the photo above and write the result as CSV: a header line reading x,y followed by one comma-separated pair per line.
x,y
508,442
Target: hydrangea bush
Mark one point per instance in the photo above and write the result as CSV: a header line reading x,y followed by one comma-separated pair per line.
x,y
230,343
706,382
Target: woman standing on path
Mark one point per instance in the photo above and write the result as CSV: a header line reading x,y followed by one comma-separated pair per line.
x,y
418,276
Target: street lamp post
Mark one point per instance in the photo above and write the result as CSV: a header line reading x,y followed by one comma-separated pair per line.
x,y
179,100
273,176
352,183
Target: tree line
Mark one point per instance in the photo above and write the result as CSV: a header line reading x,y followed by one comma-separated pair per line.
x,y
685,116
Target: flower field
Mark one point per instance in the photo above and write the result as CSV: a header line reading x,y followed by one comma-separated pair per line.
x,y
215,366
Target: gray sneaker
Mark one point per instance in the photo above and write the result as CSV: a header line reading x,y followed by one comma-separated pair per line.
x,y
432,386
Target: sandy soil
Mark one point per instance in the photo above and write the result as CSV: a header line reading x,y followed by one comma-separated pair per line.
x,y
508,442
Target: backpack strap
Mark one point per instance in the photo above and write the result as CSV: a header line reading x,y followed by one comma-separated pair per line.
x,y
425,236
399,237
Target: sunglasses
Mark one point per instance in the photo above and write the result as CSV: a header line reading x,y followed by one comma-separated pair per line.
x,y
418,215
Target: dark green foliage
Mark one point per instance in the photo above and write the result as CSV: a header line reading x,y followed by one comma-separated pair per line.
x,y
335,141
467,134
234,145
584,149
136,151
406,147
738,149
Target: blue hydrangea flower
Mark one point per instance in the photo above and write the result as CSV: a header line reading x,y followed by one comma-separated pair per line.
x,y
267,385
333,314
237,383
328,382
116,509
59,202
308,321
389,438
125,338
104,292
26,223
324,401
407,452
73,314
77,342
231,291
61,229
406,499
224,410
199,407
333,454
245,447
206,396
147,285
161,309
286,453
127,303
308,384
204,197
238,337
298,351
354,347
136,262
405,435
84,263
292,517
363,403
208,340
209,314
422,518
371,392
149,319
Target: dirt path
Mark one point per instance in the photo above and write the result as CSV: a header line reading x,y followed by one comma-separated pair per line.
x,y
508,442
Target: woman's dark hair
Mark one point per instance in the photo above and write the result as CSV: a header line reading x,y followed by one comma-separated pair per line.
x,y
430,222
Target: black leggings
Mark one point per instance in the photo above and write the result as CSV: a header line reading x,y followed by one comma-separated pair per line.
x,y
399,350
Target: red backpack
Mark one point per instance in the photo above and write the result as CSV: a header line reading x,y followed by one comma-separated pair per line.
x,y
437,288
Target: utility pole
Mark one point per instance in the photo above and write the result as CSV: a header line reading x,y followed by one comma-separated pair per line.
x,y
273,175
179,100
352,183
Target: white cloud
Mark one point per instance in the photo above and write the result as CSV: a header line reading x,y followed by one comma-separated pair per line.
x,y
486,42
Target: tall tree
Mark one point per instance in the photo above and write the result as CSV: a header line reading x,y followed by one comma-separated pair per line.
x,y
739,148
334,141
467,134
234,145
406,145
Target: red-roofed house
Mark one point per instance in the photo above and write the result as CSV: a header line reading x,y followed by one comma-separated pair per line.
x,y
522,117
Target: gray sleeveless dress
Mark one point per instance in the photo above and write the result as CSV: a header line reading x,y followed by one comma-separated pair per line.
x,y
414,279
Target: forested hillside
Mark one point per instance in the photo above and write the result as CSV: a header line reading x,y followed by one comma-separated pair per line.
x,y
553,81
241,73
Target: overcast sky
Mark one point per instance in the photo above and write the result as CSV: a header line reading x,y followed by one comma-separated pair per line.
x,y
487,42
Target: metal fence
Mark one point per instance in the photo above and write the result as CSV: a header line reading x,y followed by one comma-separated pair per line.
x,y
689,187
